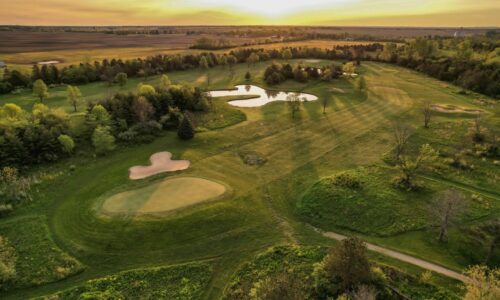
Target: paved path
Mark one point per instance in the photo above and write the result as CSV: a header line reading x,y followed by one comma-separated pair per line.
x,y
403,257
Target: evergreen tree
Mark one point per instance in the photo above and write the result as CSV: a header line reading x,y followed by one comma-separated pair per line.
x,y
186,129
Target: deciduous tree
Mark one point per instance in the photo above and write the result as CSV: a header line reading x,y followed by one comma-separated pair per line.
x,y
482,283
446,210
73,94
294,102
40,90
103,140
348,262
427,111
121,78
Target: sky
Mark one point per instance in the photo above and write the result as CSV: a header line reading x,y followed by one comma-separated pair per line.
x,y
450,13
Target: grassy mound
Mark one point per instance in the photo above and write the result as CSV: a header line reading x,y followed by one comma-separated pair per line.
x,y
168,195
38,259
173,282
364,200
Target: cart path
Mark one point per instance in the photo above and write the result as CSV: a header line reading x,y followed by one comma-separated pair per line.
x,y
402,257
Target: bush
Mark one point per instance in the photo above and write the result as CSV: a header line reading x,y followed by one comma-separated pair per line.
x,y
348,179
14,189
7,262
67,143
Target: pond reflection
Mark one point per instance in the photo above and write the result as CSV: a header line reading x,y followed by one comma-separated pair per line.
x,y
262,96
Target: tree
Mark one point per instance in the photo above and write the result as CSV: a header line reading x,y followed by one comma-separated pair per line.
x,y
145,89
11,112
477,131
164,82
483,283
253,59
348,262
409,168
427,111
324,103
186,129
73,94
223,60
121,78
142,109
204,66
248,76
446,209
294,102
287,54
401,134
102,139
231,61
67,143
349,68
279,287
40,90
99,115
361,84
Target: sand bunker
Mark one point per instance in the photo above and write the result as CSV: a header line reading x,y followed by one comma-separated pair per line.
x,y
168,195
160,162
455,109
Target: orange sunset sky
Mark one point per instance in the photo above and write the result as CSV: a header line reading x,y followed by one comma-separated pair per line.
x,y
267,12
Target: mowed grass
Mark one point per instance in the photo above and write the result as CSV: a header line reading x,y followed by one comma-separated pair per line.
x,y
167,195
355,131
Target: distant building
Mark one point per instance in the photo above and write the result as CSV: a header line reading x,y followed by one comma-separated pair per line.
x,y
3,65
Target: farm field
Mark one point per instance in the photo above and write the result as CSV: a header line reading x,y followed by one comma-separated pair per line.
x,y
269,205
22,59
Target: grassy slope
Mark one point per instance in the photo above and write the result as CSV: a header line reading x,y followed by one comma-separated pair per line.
x,y
186,281
39,261
355,131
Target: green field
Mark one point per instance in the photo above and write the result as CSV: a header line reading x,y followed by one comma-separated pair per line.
x,y
267,206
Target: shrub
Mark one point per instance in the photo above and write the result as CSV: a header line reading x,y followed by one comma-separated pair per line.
x,y
7,262
347,179
13,188
67,143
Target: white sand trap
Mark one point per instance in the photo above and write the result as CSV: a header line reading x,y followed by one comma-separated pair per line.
x,y
161,162
451,109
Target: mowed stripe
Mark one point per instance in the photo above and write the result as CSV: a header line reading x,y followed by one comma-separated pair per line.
x,y
310,140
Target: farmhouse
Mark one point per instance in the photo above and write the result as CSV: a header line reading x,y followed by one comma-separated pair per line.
x,y
3,65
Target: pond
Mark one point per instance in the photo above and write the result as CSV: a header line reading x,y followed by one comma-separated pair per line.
x,y
262,96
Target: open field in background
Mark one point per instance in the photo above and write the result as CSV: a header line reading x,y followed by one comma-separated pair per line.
x,y
25,60
355,131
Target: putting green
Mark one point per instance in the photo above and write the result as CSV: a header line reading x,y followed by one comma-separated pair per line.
x,y
168,195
